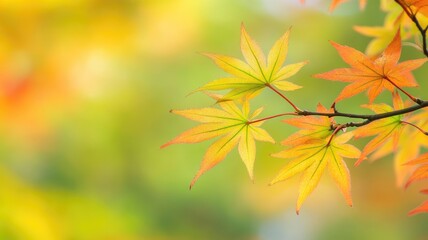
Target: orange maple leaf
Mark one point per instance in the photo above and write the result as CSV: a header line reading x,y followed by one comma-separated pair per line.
x,y
420,173
421,208
375,75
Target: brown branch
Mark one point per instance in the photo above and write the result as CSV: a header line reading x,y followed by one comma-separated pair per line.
x,y
415,20
367,117
370,117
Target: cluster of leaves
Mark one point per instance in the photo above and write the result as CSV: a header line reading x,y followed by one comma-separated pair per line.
x,y
321,142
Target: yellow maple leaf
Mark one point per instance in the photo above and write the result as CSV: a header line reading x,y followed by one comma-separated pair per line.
x,y
231,125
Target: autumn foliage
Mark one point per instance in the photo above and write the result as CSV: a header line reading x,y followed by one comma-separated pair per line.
x,y
322,142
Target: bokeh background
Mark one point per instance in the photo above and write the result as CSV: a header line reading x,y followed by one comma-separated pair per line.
x,y
85,90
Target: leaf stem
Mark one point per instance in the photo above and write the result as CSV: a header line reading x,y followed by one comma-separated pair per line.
x,y
413,125
416,100
337,129
284,97
271,117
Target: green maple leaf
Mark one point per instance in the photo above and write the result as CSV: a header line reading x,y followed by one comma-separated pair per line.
x,y
257,72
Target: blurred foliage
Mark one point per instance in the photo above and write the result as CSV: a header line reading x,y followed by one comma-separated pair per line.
x,y
85,89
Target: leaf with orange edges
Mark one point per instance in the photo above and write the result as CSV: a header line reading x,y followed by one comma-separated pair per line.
x,y
420,173
401,154
231,125
383,129
373,75
257,72
313,158
421,208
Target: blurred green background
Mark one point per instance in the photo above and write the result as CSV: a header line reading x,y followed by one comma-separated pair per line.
x,y
85,90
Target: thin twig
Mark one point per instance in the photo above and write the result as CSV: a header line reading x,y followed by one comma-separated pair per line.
x,y
367,117
415,20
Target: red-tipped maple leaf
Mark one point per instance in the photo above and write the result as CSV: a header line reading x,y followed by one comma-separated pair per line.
x,y
373,75
233,127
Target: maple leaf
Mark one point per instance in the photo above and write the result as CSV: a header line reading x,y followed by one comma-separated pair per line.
x,y
421,208
402,154
394,20
232,125
384,129
420,173
312,159
406,151
375,75
258,72
312,149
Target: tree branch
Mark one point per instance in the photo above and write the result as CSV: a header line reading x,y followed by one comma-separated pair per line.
x,y
370,117
415,20
367,117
